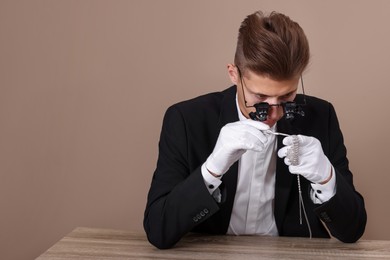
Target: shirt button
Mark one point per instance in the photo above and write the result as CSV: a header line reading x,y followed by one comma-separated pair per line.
x,y
211,186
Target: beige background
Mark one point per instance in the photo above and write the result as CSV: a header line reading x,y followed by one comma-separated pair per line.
x,y
84,86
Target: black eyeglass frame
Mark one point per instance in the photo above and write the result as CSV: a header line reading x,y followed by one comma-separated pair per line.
x,y
290,108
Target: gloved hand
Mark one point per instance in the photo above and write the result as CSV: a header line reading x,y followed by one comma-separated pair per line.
x,y
312,162
233,141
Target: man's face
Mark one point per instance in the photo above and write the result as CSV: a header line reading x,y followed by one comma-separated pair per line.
x,y
257,88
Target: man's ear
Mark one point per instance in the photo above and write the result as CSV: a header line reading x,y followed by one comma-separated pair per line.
x,y
233,73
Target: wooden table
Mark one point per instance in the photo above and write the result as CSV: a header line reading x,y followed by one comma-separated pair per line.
x,y
92,243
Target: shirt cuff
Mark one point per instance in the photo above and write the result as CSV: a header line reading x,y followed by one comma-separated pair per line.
x,y
321,193
212,183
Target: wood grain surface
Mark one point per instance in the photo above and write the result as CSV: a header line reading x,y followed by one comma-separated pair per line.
x,y
92,243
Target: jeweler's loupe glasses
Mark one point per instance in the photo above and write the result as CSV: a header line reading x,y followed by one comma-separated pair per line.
x,y
290,108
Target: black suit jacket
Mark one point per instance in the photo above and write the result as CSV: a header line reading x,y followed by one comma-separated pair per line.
x,y
179,202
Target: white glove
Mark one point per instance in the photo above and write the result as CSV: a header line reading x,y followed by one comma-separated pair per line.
x,y
233,141
312,162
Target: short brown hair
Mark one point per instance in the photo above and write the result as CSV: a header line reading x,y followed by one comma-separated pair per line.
x,y
272,45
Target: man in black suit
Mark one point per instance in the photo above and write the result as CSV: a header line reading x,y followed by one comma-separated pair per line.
x,y
224,169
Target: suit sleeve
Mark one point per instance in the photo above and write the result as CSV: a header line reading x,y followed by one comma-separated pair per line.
x,y
344,214
178,199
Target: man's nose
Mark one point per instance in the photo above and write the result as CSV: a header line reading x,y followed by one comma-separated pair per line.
x,y
274,112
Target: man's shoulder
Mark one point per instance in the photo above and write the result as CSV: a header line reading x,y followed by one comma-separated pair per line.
x,y
311,100
317,112
205,102
314,105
